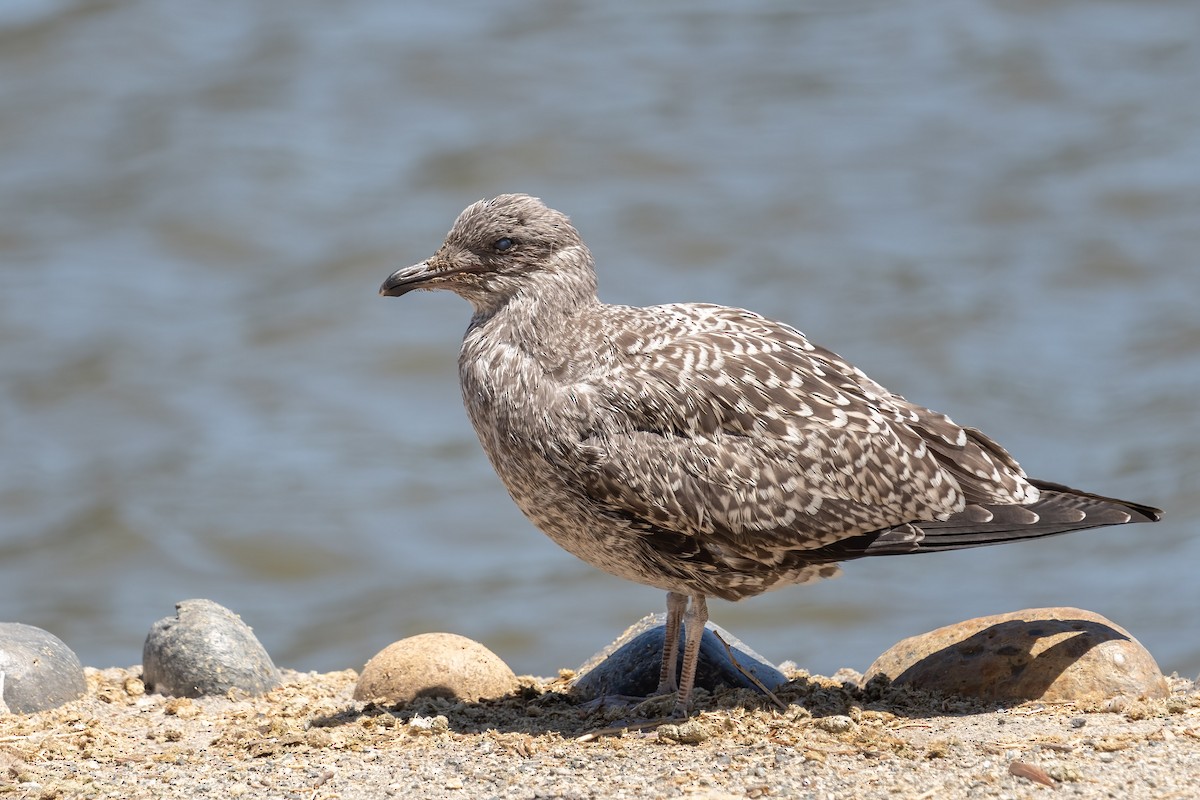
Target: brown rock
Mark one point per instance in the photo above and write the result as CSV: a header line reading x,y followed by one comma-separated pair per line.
x,y
435,665
1051,654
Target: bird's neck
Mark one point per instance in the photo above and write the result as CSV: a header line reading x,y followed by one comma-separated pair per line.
x,y
540,315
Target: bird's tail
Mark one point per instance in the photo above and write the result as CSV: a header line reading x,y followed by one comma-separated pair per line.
x,y
1060,509
1090,503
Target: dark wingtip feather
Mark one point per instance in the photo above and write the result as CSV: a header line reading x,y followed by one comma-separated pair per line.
x,y
1135,511
1060,509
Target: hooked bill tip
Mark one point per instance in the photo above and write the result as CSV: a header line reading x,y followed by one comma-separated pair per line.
x,y
404,280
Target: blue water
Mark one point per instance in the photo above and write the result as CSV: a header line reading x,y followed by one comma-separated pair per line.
x,y
992,207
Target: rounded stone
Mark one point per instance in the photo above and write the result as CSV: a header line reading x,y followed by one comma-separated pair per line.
x,y
631,665
435,665
205,649
1049,654
37,670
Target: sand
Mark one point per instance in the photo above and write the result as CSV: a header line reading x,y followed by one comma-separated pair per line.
x,y
309,739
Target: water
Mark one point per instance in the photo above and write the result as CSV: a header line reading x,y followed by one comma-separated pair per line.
x,y
990,206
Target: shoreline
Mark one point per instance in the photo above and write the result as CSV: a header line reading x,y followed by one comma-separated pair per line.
x,y
309,738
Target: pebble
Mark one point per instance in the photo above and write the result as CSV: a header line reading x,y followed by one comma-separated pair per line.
x,y
435,665
1049,654
37,670
838,723
205,649
690,731
428,726
630,665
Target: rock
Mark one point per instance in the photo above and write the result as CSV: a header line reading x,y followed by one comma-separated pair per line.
x,y
839,723
630,666
435,665
690,731
1051,654
37,671
205,649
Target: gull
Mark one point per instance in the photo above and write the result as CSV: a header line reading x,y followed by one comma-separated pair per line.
x,y
705,450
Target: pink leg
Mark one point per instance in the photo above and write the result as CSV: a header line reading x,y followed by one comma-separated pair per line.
x,y
697,615
676,606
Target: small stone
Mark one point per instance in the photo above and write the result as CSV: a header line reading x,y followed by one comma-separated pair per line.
x,y
428,726
1049,654
838,723
1116,705
181,707
691,731
318,738
1030,772
435,665
37,670
205,649
631,665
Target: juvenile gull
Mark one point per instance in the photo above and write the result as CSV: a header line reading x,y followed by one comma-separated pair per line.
x,y
705,450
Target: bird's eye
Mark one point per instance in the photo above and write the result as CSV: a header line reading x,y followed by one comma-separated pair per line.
x,y
503,244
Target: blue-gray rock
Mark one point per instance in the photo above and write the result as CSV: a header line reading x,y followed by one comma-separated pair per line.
x,y
205,649
630,665
37,671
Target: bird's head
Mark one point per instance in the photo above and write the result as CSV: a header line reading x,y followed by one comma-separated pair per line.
x,y
497,247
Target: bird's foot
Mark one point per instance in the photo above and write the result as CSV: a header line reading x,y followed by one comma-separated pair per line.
x,y
623,714
637,710
670,690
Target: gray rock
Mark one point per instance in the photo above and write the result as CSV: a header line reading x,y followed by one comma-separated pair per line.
x,y
37,671
630,665
205,649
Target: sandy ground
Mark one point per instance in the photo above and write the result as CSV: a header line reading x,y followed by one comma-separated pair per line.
x,y
309,739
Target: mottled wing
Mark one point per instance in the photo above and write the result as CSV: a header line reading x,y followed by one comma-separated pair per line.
x,y
735,429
